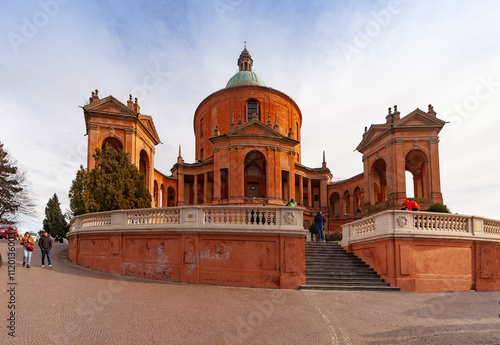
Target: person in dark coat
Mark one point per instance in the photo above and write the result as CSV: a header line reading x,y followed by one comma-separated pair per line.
x,y
45,244
320,221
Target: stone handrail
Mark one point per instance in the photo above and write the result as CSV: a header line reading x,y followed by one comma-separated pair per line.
x,y
408,224
258,219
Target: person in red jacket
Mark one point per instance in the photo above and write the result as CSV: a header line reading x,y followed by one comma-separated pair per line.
x,y
407,204
411,205
415,206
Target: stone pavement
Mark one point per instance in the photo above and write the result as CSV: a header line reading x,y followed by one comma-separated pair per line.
x,y
72,305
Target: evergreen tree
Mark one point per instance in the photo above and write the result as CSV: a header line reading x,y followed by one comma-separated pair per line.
x,y
55,223
15,198
114,184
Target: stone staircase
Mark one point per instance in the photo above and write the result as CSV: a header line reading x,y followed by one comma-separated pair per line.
x,y
330,267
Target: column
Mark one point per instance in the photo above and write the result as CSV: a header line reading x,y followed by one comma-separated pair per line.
x,y
205,188
323,194
180,189
217,182
195,190
309,191
291,177
301,190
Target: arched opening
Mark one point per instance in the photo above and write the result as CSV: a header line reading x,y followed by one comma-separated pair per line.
x,y
170,197
156,194
114,142
357,201
410,191
347,202
144,166
415,164
379,181
255,175
163,196
335,204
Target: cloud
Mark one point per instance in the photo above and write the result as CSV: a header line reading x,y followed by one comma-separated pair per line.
x,y
174,54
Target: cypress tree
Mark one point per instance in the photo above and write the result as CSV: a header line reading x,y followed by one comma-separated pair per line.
x,y
114,184
55,223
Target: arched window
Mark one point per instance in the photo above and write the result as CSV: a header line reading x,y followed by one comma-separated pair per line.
x,y
415,164
255,175
252,109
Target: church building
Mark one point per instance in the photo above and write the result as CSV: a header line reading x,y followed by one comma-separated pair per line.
x,y
248,152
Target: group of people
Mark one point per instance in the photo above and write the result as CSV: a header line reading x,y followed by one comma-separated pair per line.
x,y
44,243
320,219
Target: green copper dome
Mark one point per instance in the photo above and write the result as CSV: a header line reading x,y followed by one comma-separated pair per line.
x,y
245,78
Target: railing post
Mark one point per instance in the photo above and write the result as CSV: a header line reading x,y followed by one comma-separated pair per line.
x,y
476,226
116,218
78,223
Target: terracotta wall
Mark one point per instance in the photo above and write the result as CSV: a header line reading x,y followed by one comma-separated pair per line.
x,y
232,260
432,266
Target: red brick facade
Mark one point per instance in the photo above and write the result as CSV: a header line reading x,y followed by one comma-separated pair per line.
x,y
247,141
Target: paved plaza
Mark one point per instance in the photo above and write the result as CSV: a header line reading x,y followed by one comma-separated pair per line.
x,y
72,305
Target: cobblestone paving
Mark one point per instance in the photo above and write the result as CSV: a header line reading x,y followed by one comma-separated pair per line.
x,y
72,305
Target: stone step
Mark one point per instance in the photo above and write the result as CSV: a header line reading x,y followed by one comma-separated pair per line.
x,y
342,274
354,273
330,267
345,283
348,288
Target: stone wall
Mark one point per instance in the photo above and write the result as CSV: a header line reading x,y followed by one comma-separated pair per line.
x,y
233,246
429,252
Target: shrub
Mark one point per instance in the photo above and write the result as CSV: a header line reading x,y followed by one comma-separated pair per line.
x,y
312,229
336,236
437,207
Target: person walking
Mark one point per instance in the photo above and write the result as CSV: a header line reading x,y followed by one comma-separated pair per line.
x,y
27,242
320,220
45,244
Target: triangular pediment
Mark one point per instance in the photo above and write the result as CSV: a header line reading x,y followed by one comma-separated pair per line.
x,y
109,105
416,119
372,133
419,118
255,128
147,122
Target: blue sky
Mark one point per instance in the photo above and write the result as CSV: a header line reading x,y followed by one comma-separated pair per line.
x,y
344,63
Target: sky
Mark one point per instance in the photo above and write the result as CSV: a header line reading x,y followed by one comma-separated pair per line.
x,y
343,62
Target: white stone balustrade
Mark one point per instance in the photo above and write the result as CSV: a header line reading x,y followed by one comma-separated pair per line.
x,y
409,224
213,219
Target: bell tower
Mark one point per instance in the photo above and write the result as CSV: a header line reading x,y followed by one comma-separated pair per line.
x,y
408,144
